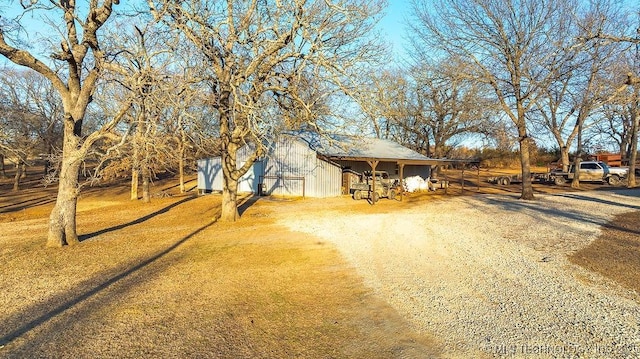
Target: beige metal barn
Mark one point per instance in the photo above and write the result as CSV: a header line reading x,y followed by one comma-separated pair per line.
x,y
312,165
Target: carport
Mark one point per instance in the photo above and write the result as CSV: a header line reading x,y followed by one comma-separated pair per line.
x,y
401,163
346,150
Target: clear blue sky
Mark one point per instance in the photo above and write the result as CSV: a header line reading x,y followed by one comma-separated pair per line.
x,y
393,24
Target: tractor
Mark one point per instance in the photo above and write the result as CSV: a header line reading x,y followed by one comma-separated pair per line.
x,y
384,186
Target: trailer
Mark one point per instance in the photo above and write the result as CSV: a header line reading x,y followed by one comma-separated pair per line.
x,y
590,171
505,180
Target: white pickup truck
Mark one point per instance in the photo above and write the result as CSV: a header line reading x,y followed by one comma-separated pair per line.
x,y
591,171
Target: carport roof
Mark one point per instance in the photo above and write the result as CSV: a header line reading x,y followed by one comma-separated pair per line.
x,y
353,148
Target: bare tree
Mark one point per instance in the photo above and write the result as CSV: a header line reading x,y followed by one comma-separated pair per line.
x,y
144,73
260,56
580,88
385,103
450,104
186,116
17,138
30,114
630,90
615,126
428,107
632,79
80,60
508,42
591,91
634,112
31,93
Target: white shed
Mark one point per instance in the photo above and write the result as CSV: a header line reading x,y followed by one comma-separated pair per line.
x,y
290,168
311,165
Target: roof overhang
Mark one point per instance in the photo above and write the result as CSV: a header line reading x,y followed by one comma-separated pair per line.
x,y
410,162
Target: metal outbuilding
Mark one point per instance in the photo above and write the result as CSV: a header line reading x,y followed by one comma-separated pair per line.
x,y
311,165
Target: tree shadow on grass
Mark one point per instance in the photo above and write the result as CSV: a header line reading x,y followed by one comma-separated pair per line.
x,y
48,318
584,215
28,203
142,219
603,201
246,203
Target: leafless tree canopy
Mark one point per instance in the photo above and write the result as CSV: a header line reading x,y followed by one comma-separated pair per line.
x,y
428,107
512,46
273,65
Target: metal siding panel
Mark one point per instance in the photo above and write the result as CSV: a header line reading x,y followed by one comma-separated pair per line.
x,y
286,160
249,181
210,177
292,158
243,153
327,178
210,174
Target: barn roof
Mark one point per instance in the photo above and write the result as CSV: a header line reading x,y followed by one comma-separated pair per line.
x,y
344,147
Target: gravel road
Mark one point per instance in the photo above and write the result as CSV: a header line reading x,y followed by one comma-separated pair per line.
x,y
488,275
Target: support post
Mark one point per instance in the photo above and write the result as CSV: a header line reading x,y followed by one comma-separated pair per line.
x,y
372,191
446,179
462,181
401,166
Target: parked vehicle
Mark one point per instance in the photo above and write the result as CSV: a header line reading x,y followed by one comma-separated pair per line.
x,y
591,171
384,187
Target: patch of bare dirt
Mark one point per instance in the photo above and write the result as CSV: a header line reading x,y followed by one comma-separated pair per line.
x,y
616,252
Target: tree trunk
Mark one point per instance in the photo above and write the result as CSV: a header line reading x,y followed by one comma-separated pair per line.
x,y
47,166
62,221
49,156
525,149
20,166
631,181
576,163
624,150
181,169
230,201
635,124
437,153
2,168
564,157
135,159
230,184
527,188
146,180
575,183
135,179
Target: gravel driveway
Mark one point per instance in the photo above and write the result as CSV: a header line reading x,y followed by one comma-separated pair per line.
x,y
488,275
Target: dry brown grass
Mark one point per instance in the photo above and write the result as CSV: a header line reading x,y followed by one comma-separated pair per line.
x,y
164,279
